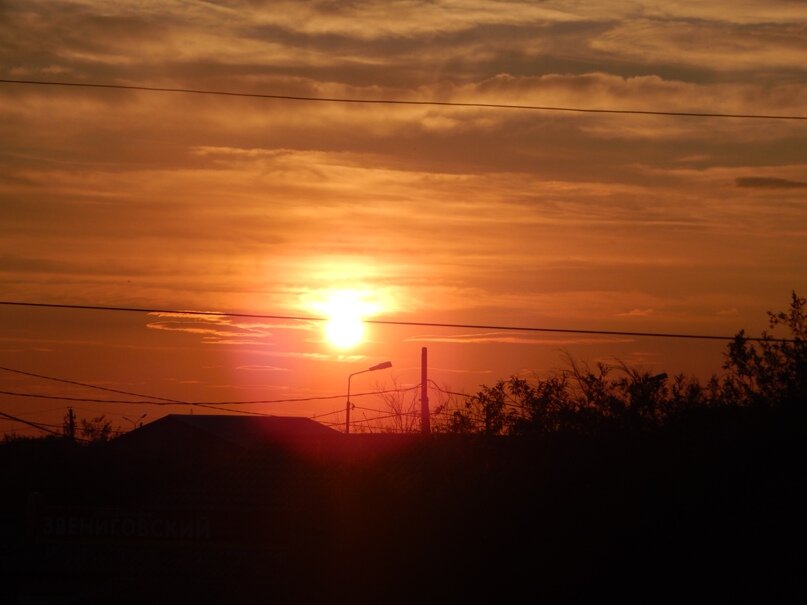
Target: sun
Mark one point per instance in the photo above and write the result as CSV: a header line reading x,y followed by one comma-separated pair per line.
x,y
344,331
345,310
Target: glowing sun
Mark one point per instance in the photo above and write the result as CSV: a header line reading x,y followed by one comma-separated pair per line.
x,y
344,331
345,309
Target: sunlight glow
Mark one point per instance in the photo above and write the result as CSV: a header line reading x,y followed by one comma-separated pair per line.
x,y
344,331
345,310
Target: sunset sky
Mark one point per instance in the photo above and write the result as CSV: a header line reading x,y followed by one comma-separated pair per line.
x,y
412,213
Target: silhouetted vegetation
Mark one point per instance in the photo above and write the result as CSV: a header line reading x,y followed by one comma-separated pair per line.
x,y
772,372
769,373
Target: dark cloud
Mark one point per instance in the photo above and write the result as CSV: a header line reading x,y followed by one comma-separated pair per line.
x,y
764,182
13,263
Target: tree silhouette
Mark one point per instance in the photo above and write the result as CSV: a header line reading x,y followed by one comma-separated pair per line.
x,y
402,405
96,429
772,372
769,372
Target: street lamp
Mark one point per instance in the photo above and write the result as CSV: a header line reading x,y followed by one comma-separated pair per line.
x,y
381,366
134,422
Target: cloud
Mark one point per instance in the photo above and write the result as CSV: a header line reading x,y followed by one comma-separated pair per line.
x,y
217,329
636,313
460,371
195,316
371,20
226,330
15,263
718,45
263,368
232,321
208,333
761,182
342,358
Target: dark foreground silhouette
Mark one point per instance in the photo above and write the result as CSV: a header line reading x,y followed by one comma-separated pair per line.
x,y
709,509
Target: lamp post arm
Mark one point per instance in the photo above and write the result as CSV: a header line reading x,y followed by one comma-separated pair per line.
x,y
380,366
347,405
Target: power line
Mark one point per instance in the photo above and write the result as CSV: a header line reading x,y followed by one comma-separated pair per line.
x,y
40,426
215,407
440,389
51,410
171,311
310,398
162,401
90,400
47,424
403,101
35,425
402,323
386,416
149,399
394,413
333,413
84,384
18,430
196,403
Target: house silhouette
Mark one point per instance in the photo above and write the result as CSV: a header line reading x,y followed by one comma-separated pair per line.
x,y
214,433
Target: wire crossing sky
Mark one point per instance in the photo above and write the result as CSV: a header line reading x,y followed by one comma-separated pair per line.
x,y
407,102
393,322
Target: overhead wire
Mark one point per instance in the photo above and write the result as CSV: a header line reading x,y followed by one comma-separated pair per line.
x,y
384,417
18,430
349,100
437,387
195,403
89,399
50,410
84,384
36,425
162,401
503,328
359,407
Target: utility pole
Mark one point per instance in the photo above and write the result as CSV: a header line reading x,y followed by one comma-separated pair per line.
x,y
424,393
71,424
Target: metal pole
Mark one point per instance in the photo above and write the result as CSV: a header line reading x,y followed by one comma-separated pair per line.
x,y
424,394
347,406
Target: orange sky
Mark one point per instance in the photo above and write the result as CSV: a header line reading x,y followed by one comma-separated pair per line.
x,y
438,214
